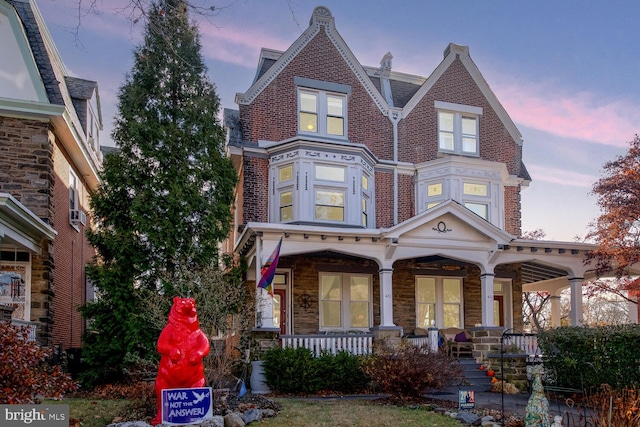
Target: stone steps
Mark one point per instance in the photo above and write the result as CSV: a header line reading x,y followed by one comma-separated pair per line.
x,y
474,378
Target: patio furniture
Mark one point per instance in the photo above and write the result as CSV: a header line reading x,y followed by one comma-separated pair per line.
x,y
457,341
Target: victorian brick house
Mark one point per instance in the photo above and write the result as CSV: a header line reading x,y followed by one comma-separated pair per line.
x,y
397,196
49,161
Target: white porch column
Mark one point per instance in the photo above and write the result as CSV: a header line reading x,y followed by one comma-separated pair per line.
x,y
556,310
264,301
486,293
386,297
575,283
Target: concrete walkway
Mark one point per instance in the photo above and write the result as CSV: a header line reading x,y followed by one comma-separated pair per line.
x,y
514,404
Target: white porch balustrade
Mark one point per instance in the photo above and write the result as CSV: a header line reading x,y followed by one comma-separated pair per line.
x,y
527,343
355,344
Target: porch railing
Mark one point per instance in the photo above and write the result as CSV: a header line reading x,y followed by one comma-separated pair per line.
x,y
32,327
355,344
527,343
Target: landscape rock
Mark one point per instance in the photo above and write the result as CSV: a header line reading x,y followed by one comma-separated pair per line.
x,y
233,419
268,413
216,421
468,418
251,415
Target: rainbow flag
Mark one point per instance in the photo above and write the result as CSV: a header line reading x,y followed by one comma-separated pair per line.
x,y
269,269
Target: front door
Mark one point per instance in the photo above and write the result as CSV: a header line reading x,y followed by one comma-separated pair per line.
x,y
280,310
498,310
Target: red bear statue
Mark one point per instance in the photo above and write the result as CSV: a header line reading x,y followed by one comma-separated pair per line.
x,y
181,345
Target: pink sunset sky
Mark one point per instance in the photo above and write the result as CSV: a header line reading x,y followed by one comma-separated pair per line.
x,y
566,72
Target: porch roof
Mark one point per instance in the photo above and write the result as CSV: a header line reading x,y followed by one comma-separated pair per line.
x,y
21,227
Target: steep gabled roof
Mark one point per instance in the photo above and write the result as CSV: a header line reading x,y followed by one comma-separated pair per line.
x,y
404,90
451,53
60,108
321,20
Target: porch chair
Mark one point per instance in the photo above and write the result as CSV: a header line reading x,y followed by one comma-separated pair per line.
x,y
457,341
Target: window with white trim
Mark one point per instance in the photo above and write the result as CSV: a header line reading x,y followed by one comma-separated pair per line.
x,y
330,191
73,191
366,199
458,128
435,194
345,301
439,300
310,189
285,193
476,198
322,113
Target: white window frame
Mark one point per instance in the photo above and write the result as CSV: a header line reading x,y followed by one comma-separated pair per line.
x,y
345,302
282,187
304,186
74,196
322,113
480,200
459,112
439,302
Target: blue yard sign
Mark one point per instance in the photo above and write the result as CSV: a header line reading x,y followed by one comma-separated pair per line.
x,y
181,406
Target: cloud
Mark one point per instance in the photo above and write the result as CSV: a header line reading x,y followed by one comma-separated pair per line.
x,y
579,115
561,176
237,44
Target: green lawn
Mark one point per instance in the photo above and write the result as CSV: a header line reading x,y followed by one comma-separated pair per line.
x,y
95,412
295,412
353,413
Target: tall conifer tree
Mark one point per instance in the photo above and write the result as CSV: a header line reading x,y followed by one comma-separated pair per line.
x,y
164,202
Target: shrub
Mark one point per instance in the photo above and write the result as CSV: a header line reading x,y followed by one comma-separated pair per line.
x,y
289,370
342,373
25,369
584,357
408,371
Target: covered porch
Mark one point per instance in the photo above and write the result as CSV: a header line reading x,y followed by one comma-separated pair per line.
x,y
445,267
24,245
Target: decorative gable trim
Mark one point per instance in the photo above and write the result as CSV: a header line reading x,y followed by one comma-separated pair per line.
x,y
459,211
451,53
321,18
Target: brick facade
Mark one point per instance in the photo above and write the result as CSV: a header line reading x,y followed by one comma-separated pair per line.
x,y
269,112
34,169
73,252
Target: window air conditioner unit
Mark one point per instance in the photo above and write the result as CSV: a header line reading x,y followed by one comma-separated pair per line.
x,y
77,216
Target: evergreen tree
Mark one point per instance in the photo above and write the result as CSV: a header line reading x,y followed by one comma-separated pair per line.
x,y
164,202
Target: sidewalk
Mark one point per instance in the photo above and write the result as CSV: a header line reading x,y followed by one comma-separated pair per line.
x,y
514,404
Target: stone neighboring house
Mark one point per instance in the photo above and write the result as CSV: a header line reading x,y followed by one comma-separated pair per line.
x,y
49,161
397,196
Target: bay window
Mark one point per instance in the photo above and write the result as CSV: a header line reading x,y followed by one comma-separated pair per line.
x,y
312,189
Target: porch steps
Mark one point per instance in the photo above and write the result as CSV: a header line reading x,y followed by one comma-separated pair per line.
x,y
474,378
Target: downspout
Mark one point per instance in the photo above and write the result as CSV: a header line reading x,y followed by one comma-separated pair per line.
x,y
395,116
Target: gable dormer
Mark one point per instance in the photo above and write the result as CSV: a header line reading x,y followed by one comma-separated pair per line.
x,y
19,76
